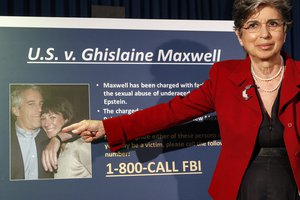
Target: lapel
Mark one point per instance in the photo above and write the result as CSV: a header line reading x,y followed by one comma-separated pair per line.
x,y
16,159
41,142
290,84
242,78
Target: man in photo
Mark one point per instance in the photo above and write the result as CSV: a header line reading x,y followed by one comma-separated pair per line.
x,y
27,138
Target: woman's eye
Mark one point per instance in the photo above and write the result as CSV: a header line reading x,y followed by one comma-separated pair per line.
x,y
273,24
252,25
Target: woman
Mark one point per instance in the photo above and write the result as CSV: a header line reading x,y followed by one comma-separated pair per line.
x,y
74,159
257,101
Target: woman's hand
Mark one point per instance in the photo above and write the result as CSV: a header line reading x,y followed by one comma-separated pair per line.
x,y
49,155
88,130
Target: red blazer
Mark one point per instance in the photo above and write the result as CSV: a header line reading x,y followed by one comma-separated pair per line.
x,y
239,120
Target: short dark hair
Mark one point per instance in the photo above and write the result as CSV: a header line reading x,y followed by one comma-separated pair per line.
x,y
58,105
243,9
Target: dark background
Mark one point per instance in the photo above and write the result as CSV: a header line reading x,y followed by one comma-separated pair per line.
x,y
142,9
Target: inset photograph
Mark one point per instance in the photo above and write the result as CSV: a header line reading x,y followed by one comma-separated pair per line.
x,y
38,113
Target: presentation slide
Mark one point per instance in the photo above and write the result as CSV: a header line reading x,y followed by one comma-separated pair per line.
x,y
56,71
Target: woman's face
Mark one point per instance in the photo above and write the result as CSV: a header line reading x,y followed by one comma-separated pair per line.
x,y
52,123
263,43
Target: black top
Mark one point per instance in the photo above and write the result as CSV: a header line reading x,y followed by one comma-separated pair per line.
x,y
269,175
271,130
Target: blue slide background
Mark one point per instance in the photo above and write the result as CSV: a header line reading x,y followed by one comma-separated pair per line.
x,y
15,44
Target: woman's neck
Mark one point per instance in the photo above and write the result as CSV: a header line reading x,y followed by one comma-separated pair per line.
x,y
266,69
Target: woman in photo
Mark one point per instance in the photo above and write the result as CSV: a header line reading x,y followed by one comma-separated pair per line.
x,y
74,160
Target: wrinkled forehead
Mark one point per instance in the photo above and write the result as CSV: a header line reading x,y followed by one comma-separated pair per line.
x,y
264,13
31,95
